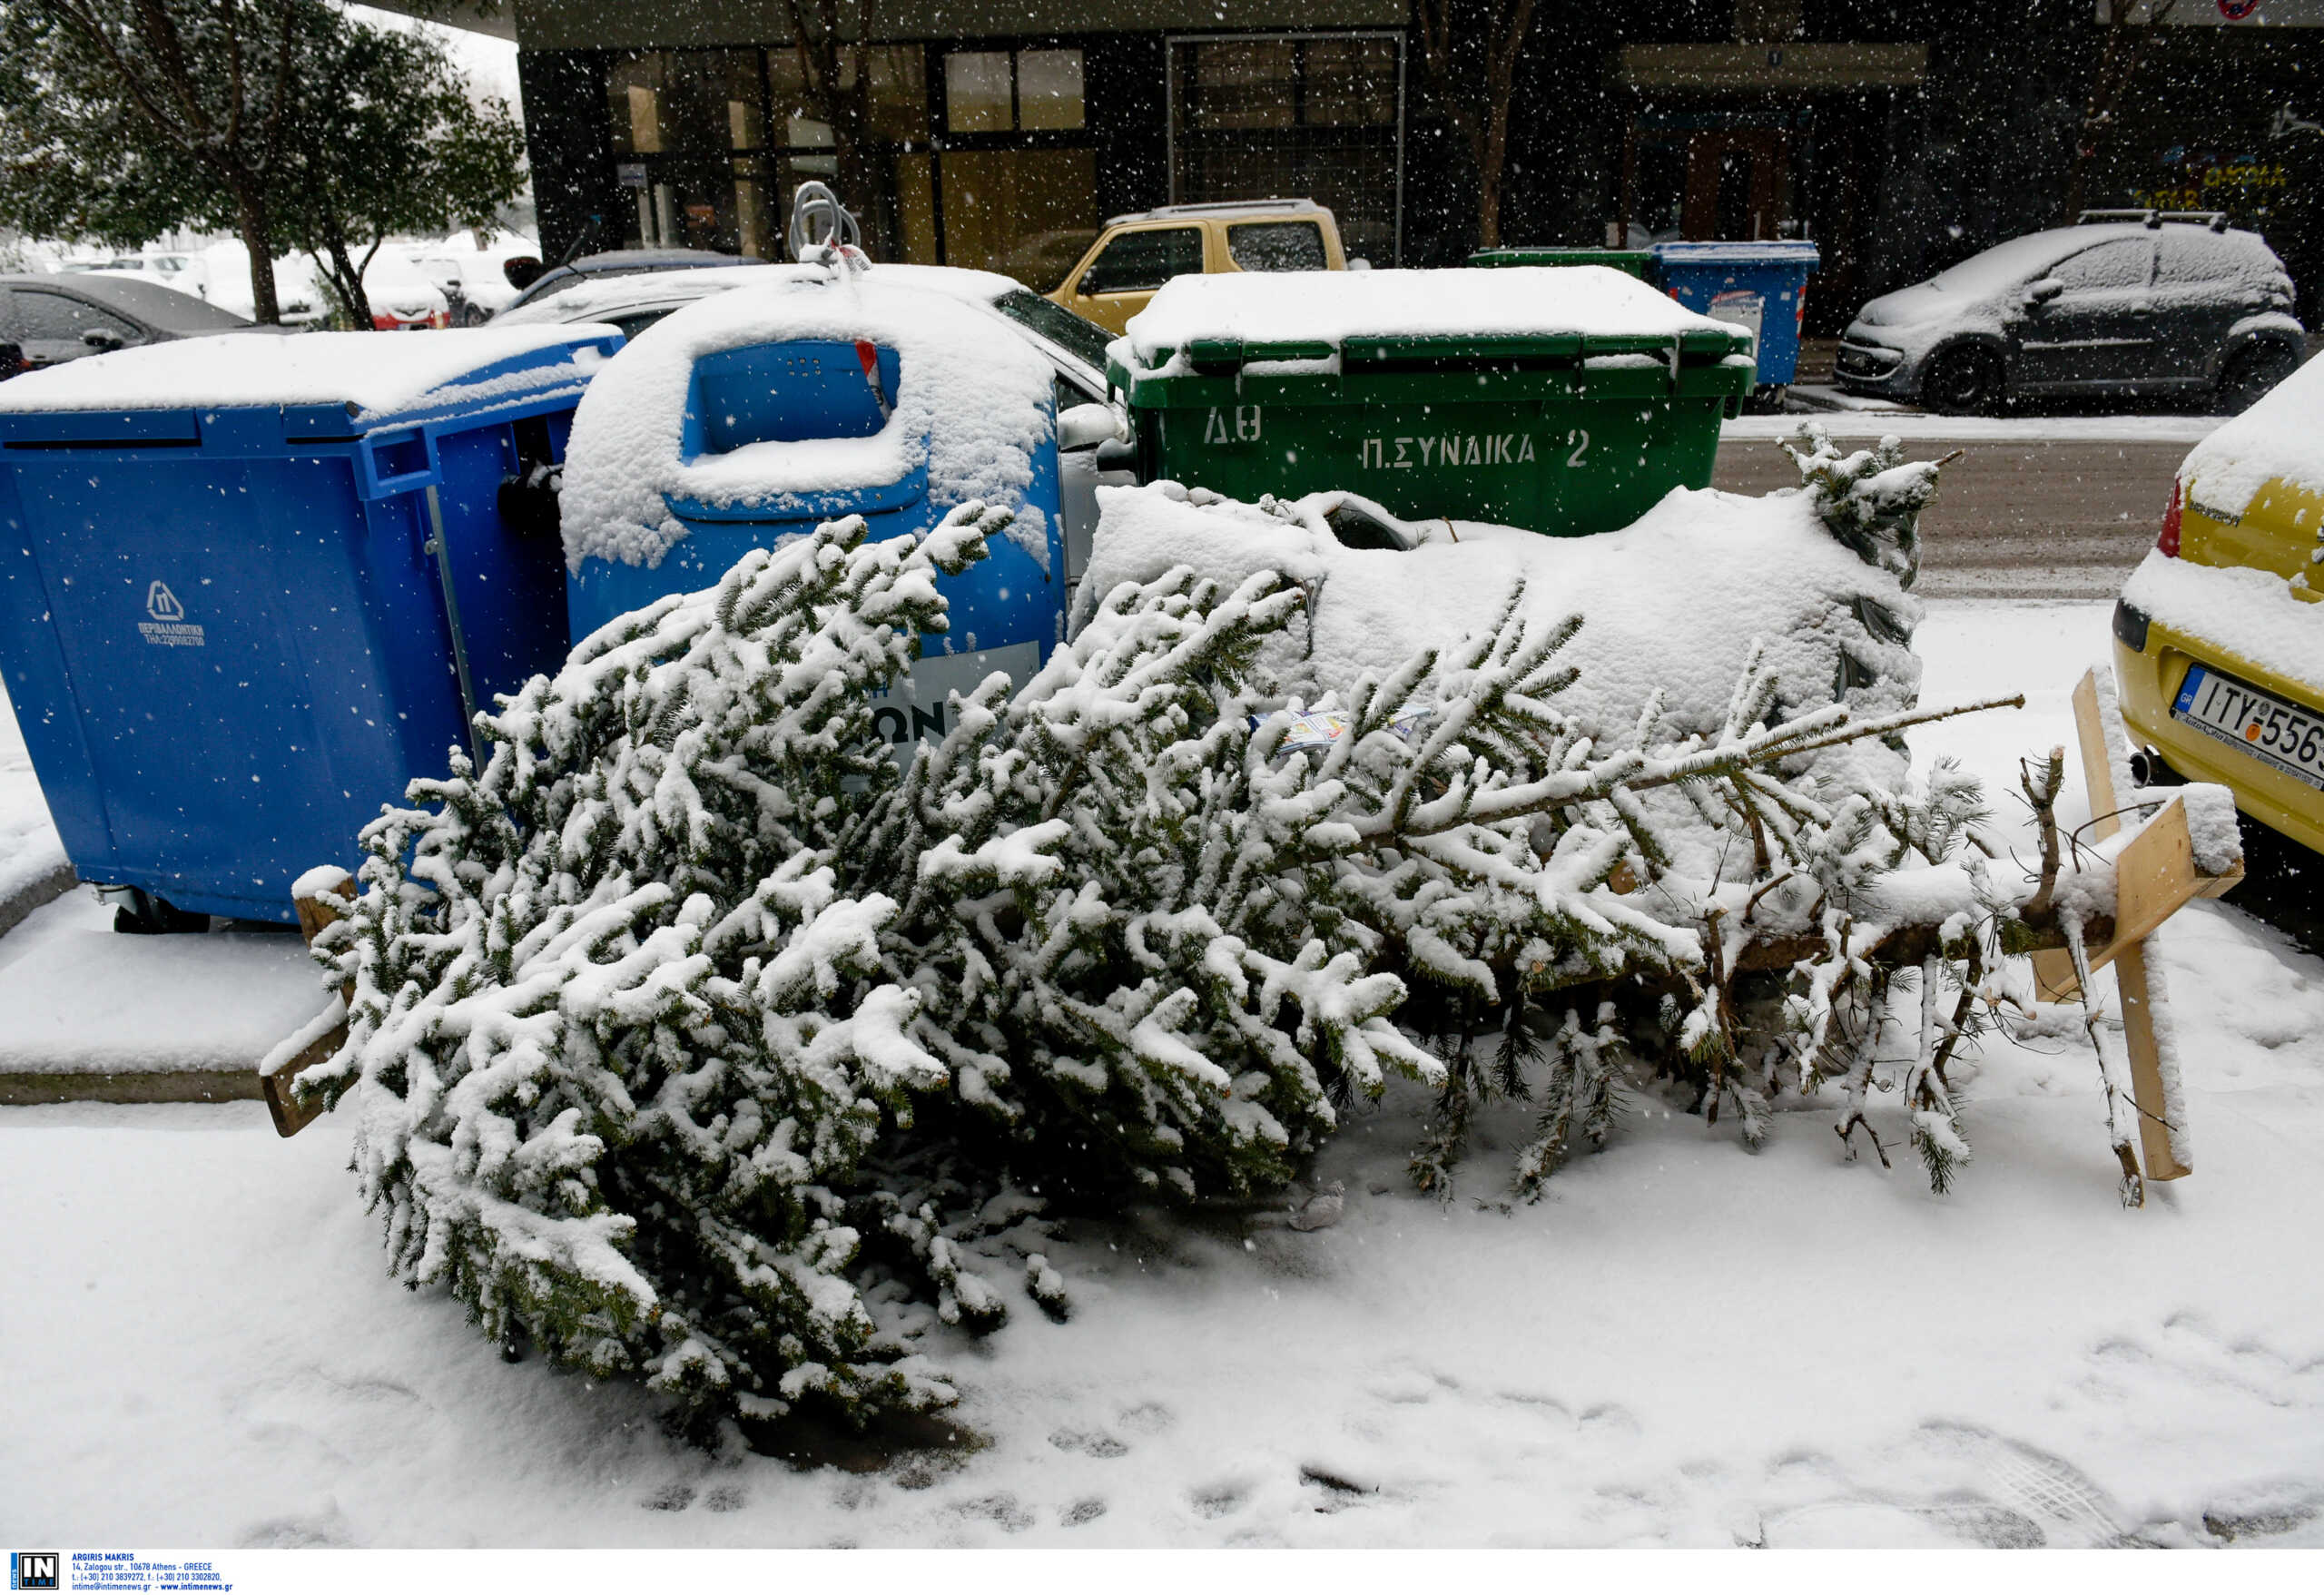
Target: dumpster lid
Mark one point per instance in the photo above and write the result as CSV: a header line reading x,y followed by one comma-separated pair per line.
x,y
369,375
1555,254
1772,251
1463,313
972,402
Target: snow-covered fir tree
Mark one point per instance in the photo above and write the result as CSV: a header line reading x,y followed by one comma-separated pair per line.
x,y
690,1040
614,1050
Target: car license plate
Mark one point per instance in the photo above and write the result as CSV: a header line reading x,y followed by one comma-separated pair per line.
x,y
2263,725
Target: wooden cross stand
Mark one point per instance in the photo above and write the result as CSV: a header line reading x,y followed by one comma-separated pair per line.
x,y
2155,875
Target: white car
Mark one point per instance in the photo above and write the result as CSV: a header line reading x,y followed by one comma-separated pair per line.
x,y
475,279
1088,420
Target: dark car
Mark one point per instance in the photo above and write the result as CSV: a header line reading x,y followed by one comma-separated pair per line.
x,y
55,319
2135,302
597,268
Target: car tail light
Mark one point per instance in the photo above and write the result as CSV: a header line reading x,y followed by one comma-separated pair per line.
x,y
2168,542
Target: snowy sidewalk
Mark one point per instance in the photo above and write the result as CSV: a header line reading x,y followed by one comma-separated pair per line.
x,y
85,1012
33,866
1683,1343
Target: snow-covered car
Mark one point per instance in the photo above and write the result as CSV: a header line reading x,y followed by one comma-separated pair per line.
x,y
568,276
2153,305
55,319
2219,635
225,281
1077,348
478,282
404,299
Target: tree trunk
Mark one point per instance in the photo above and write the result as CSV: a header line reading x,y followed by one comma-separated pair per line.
x,y
250,216
348,279
1493,160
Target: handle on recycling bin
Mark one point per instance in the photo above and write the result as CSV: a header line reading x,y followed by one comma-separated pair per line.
x,y
374,485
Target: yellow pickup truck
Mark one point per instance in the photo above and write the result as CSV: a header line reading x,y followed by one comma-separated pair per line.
x,y
1137,253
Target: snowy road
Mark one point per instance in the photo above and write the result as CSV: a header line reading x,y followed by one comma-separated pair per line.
x,y
2032,510
1682,1344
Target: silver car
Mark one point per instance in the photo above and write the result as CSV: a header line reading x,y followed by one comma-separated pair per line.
x,y
2130,303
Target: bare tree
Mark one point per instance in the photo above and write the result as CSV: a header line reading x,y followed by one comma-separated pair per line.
x,y
835,67
1470,49
2119,60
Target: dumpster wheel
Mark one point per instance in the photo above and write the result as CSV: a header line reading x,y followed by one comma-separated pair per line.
x,y
143,914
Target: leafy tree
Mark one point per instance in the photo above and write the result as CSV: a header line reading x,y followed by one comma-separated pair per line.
x,y
286,121
388,141
121,119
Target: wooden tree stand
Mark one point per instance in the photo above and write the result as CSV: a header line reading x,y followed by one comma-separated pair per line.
x,y
320,907
2155,875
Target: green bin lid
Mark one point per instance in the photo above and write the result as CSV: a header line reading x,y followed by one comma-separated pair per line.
x,y
1228,322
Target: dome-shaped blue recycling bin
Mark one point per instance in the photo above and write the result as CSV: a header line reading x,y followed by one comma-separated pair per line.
x,y
749,418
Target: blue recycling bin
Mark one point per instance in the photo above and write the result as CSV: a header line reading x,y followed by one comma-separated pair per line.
x,y
1762,286
796,427
252,586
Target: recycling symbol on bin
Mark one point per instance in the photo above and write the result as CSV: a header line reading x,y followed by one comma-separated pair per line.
x,y
163,605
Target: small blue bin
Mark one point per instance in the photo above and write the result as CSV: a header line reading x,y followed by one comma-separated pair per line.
x,y
1761,286
1006,611
254,595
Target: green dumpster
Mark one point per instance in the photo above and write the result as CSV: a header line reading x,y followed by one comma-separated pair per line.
x,y
1563,399
1637,262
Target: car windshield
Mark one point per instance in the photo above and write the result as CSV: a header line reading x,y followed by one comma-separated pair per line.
x,y
2005,265
1085,340
167,309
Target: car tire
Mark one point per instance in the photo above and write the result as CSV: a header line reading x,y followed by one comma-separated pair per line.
x,y
2249,375
1963,381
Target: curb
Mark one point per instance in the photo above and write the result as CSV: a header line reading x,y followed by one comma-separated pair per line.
x,y
31,1089
42,892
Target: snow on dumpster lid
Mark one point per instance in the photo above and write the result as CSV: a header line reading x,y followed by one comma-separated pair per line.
x,y
1331,306
379,373
972,404
1773,251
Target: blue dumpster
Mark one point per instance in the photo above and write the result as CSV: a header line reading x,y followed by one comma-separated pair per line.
x,y
749,418
251,587
1761,286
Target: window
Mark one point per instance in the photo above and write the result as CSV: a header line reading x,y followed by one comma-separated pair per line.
x,y
999,90
1316,116
2120,264
1140,262
977,92
1086,340
51,318
1278,246
702,103
1029,214
2192,257
1048,90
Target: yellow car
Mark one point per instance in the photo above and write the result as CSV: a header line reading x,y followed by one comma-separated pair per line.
x,y
2219,635
1136,254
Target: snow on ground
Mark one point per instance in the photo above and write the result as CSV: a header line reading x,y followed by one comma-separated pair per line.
x,y
30,850
75,997
1682,1343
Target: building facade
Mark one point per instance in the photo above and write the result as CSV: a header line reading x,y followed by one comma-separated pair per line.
x,y
1901,135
